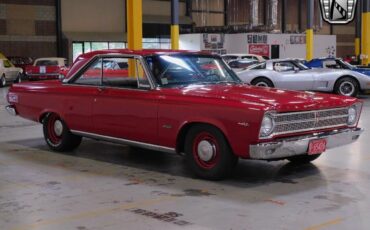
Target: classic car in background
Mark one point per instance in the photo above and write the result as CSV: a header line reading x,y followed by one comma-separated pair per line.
x,y
170,102
253,57
9,73
335,63
291,74
46,68
241,64
21,62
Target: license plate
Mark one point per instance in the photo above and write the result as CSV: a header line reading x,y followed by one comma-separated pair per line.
x,y
316,146
42,69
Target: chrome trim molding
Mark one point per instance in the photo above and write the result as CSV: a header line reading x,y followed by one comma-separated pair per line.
x,y
42,74
289,147
124,141
11,110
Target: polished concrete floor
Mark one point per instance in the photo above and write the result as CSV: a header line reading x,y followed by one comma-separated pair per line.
x,y
108,186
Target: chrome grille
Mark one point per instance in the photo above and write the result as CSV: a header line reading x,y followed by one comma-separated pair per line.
x,y
310,120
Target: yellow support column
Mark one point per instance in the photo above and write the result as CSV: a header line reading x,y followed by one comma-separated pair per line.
x,y
309,44
309,30
135,24
175,24
134,30
365,38
357,46
175,37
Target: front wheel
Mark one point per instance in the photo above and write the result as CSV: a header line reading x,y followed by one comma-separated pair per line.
x,y
303,159
262,82
208,154
58,136
2,81
18,79
347,86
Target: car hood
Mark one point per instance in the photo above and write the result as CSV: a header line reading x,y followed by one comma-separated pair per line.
x,y
362,70
267,98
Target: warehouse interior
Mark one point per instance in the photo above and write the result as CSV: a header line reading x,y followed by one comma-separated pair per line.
x,y
119,182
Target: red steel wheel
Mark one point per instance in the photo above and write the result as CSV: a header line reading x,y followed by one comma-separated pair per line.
x,y
55,129
57,135
208,153
206,150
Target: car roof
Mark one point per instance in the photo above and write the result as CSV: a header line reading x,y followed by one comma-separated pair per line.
x,y
142,52
50,58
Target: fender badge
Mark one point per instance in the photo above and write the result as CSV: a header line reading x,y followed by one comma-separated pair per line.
x,y
167,126
245,124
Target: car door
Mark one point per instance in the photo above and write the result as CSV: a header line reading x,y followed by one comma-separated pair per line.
x,y
78,96
291,76
126,106
10,72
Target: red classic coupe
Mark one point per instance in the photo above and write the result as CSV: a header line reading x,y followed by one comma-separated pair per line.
x,y
168,101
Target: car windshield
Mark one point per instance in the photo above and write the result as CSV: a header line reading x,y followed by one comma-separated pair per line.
x,y
261,65
346,65
300,65
185,69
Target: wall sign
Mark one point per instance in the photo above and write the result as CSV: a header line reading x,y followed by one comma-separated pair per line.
x,y
259,49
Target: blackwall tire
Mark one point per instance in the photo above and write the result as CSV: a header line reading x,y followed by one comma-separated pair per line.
x,y
208,154
347,86
262,82
2,81
57,135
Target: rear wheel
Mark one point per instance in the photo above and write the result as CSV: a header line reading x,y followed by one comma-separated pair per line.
x,y
303,159
2,81
208,154
347,86
262,82
57,135
18,79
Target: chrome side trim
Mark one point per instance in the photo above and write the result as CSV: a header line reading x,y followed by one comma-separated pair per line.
x,y
11,110
42,74
294,146
125,141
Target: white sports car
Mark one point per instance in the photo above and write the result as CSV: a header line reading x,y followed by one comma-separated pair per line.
x,y
9,73
291,74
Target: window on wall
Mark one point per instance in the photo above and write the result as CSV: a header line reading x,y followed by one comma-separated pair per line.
x,y
85,47
208,12
156,43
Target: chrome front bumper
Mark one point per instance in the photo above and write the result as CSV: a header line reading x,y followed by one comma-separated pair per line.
x,y
299,145
11,110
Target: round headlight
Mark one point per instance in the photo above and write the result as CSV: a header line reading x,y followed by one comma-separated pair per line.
x,y
267,126
352,115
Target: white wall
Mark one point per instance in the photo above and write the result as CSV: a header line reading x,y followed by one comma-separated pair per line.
x,y
238,43
323,44
191,42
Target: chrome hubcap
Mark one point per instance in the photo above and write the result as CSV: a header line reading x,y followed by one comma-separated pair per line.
x,y
58,127
262,84
206,150
347,88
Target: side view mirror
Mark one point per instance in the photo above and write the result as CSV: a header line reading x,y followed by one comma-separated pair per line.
x,y
296,69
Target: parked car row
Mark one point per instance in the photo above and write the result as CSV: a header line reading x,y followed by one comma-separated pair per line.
x,y
324,75
15,69
193,104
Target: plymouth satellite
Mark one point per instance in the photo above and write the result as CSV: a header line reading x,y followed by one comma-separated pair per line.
x,y
292,74
183,102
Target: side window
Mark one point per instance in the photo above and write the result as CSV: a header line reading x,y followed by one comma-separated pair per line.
x,y
92,75
7,64
124,73
283,66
